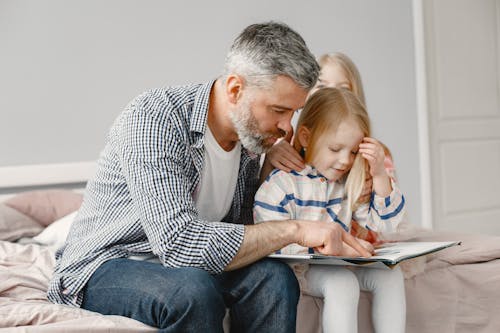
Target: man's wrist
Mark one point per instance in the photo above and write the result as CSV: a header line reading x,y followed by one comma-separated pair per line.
x,y
293,232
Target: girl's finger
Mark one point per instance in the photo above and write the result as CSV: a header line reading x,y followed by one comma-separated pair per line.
x,y
374,152
370,145
369,139
369,158
364,145
367,152
353,243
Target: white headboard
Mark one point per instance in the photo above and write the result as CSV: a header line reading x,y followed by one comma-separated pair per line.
x,y
14,179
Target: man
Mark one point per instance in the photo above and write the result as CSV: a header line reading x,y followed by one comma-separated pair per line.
x,y
149,243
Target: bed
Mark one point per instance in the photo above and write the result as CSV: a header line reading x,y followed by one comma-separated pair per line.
x,y
454,290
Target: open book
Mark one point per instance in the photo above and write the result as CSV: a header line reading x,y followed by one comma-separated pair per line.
x,y
386,255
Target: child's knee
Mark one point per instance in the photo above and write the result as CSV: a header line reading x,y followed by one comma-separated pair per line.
x,y
343,282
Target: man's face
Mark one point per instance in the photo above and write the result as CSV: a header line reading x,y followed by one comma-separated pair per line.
x,y
263,115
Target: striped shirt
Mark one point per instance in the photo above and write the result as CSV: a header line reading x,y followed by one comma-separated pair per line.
x,y
140,200
307,195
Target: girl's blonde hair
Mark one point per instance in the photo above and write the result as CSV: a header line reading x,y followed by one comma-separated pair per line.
x,y
352,74
350,70
324,111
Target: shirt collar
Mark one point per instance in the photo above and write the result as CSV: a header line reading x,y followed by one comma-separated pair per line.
x,y
309,170
198,122
312,173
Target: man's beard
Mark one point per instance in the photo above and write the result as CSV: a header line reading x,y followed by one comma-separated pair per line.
x,y
247,128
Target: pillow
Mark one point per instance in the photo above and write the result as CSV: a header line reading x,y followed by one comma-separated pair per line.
x,y
46,206
55,234
15,225
475,248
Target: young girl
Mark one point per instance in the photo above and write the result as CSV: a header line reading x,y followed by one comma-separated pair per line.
x,y
333,135
337,71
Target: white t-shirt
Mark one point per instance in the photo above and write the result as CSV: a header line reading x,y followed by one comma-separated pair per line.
x,y
214,194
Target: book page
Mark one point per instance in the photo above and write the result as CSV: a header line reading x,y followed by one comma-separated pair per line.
x,y
395,252
386,255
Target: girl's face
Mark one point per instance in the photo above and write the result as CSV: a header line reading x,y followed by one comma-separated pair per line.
x,y
332,76
336,150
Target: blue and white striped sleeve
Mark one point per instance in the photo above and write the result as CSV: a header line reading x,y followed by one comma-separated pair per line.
x,y
269,202
153,155
273,202
384,213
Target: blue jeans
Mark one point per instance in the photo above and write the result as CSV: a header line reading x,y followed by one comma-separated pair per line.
x,y
261,297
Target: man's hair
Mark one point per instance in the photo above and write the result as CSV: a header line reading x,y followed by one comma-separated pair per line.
x,y
263,51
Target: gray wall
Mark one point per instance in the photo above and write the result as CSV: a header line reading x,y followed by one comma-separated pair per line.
x,y
69,67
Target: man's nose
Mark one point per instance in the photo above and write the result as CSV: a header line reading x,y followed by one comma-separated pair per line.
x,y
285,125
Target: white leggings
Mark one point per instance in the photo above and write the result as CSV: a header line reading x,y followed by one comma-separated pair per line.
x,y
339,286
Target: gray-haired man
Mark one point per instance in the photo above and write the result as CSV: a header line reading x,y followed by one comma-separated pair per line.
x,y
164,234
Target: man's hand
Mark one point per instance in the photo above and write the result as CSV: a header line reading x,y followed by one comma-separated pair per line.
x,y
264,238
331,239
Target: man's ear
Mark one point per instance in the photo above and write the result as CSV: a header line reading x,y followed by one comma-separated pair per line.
x,y
234,86
303,135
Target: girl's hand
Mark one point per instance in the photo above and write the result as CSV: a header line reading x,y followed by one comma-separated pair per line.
x,y
348,251
368,235
373,151
367,245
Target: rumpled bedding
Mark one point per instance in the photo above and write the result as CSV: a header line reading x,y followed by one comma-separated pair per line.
x,y
458,290
25,270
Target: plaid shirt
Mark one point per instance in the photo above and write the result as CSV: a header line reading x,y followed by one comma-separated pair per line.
x,y
307,195
140,200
